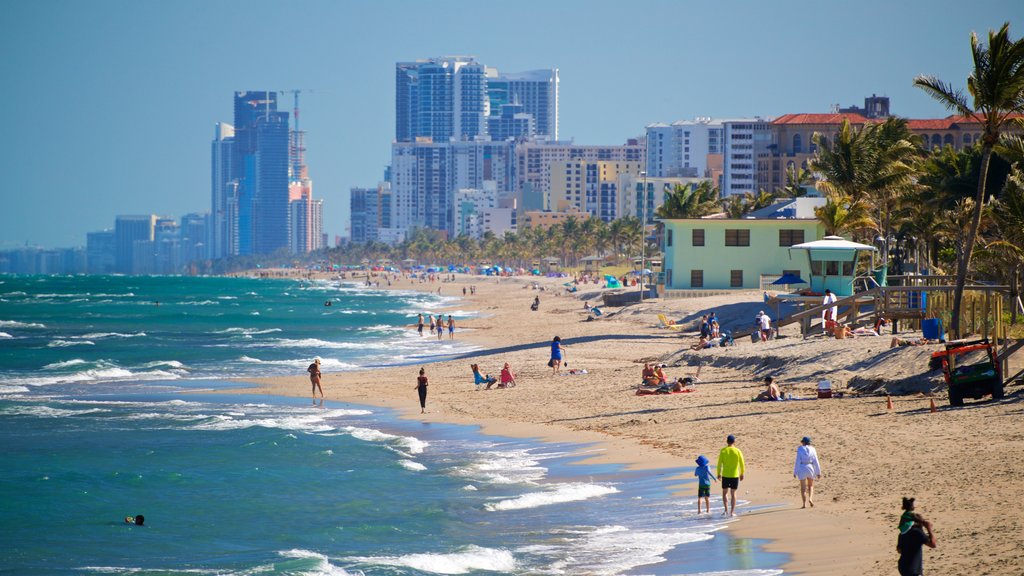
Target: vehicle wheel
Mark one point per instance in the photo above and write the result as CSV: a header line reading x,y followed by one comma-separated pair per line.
x,y
955,397
997,391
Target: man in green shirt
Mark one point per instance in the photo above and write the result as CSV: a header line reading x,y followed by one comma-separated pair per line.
x,y
730,470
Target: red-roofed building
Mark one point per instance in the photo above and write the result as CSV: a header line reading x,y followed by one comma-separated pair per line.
x,y
793,143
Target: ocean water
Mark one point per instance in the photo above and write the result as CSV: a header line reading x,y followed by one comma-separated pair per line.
x,y
236,484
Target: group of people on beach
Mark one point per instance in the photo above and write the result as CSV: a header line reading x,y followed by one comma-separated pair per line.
x,y
507,377
437,325
731,468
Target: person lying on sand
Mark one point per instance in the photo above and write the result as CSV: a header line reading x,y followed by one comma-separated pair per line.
x,y
897,341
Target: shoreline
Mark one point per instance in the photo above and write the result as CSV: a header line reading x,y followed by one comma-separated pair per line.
x,y
852,528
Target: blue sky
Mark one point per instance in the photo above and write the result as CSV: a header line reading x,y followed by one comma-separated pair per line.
x,y
109,106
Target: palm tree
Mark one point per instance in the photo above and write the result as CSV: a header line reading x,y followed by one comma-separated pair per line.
x,y
797,179
996,86
841,215
690,201
1008,214
844,163
893,171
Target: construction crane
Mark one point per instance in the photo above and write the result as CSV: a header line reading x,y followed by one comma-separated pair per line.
x,y
296,140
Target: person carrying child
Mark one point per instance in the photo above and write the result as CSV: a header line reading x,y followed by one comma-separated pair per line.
x,y
704,479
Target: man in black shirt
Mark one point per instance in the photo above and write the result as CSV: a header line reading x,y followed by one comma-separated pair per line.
x,y
909,545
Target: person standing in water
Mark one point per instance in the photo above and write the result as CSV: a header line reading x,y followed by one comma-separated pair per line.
x,y
451,327
314,377
421,387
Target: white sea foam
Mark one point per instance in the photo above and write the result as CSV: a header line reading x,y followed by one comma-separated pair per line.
x,y
609,550
101,335
66,343
411,444
301,363
12,389
571,492
465,560
412,465
227,297
247,331
167,363
323,567
505,467
16,324
199,303
40,411
65,364
5,335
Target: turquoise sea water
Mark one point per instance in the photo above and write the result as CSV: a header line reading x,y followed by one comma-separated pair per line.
x,y
97,422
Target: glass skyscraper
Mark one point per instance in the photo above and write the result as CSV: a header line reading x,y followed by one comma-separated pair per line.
x,y
440,98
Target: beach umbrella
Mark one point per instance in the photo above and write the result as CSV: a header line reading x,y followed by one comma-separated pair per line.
x,y
787,279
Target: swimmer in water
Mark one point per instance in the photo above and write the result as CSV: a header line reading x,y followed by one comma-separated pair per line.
x,y
137,520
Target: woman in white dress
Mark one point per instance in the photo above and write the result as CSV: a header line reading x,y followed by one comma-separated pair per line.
x,y
806,469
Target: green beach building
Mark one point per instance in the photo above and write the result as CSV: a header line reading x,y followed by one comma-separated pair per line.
x,y
733,253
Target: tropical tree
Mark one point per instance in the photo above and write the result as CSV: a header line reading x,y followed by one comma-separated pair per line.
x,y
797,179
1008,216
841,215
690,201
996,87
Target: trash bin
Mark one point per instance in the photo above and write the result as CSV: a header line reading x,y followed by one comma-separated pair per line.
x,y
931,328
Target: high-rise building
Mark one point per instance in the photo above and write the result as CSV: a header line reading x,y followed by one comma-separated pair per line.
x,y
422,187
100,252
223,208
591,187
684,149
129,231
441,99
534,162
364,211
194,230
745,140
512,123
305,215
260,165
536,91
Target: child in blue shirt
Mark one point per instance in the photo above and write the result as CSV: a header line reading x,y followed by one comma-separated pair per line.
x,y
704,480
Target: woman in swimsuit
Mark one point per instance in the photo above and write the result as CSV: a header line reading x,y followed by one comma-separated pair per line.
x,y
421,387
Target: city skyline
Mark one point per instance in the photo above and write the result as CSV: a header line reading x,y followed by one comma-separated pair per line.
x,y
113,103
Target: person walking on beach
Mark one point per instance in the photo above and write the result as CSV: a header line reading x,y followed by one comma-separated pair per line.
x,y
828,316
314,377
556,355
421,388
806,469
451,328
704,480
766,326
440,327
419,326
915,533
730,469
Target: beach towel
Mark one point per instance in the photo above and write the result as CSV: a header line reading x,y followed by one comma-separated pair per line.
x,y
657,392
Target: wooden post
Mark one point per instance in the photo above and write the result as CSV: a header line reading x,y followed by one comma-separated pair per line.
x,y
985,308
974,315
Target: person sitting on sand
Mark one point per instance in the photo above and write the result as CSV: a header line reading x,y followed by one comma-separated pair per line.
x,y
881,323
508,377
659,373
479,379
897,341
771,391
647,376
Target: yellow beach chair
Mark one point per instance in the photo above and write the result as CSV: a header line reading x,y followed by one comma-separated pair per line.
x,y
665,323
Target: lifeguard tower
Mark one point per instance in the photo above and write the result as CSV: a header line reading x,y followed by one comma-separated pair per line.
x,y
833,262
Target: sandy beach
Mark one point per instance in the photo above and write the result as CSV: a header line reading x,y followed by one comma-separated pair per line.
x,y
963,465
